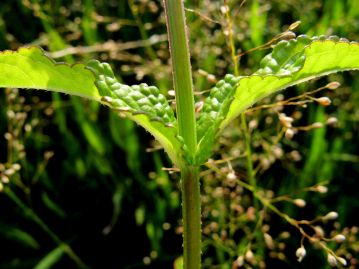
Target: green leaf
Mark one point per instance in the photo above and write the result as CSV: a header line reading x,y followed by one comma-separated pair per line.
x,y
322,57
30,68
291,62
51,258
214,111
16,234
143,104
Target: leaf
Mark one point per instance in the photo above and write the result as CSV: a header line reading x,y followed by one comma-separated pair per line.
x,y
30,68
51,258
291,62
214,110
16,234
322,57
143,104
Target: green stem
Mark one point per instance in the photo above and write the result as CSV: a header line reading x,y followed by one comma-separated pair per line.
x,y
191,210
181,71
182,80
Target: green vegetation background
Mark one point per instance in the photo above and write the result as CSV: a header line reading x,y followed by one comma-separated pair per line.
x,y
95,181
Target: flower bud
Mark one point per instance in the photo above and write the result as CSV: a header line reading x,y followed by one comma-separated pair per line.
x,y
331,216
324,101
317,125
321,189
285,120
240,261
342,261
9,172
332,260
249,256
319,231
333,85
332,121
339,238
300,253
294,25
299,202
4,179
16,166
289,133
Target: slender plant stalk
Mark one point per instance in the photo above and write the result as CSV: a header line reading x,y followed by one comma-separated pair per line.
x,y
246,134
182,78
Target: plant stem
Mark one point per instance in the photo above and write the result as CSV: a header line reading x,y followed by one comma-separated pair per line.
x,y
181,71
191,210
182,78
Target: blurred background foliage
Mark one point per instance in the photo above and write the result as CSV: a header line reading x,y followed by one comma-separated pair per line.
x,y
84,188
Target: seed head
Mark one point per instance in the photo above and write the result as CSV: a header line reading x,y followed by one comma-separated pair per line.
x,y
9,172
324,101
16,166
342,261
339,238
300,253
321,189
171,93
299,202
231,176
332,260
331,216
249,255
4,179
289,133
332,121
333,85
285,120
294,25
317,125
240,261
319,231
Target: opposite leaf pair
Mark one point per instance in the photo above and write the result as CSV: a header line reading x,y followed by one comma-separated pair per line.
x,y
290,63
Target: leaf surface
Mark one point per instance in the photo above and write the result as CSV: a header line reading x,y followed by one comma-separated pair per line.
x,y
290,63
30,68
143,104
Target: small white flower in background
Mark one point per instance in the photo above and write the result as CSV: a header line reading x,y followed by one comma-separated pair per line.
x,y
333,85
249,255
299,202
332,260
339,238
322,189
324,101
332,121
300,253
342,261
317,125
289,133
285,120
331,216
240,261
